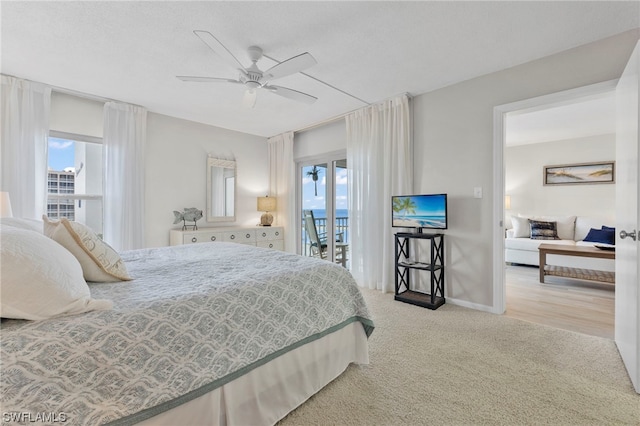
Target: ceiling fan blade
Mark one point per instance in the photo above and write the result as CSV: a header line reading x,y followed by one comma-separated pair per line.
x,y
249,100
290,66
292,94
206,79
219,49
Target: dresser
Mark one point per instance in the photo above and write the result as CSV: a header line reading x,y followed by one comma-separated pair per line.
x,y
260,236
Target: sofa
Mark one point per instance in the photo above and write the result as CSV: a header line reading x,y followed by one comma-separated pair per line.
x,y
521,248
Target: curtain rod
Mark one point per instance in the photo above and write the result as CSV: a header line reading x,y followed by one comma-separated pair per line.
x,y
338,117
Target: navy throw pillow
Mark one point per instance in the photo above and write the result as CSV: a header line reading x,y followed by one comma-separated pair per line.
x,y
608,228
602,236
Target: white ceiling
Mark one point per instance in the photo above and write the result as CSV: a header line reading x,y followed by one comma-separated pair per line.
x,y
132,51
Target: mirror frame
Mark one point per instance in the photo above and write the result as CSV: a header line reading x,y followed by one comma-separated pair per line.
x,y
227,164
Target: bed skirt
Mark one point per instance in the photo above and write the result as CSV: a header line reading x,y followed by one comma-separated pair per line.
x,y
268,393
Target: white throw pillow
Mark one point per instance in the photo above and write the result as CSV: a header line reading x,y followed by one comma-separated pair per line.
x,y
521,228
100,262
40,278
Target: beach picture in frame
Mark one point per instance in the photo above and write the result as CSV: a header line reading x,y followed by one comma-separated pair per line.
x,y
571,174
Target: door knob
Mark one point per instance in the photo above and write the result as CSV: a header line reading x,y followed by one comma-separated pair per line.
x,y
625,234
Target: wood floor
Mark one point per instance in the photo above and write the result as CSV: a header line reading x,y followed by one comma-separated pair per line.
x,y
581,306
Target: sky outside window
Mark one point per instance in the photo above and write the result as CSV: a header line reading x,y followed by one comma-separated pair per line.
x,y
61,154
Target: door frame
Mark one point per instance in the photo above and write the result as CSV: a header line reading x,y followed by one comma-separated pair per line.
x,y
327,158
499,120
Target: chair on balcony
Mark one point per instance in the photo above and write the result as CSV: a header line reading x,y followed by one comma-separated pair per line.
x,y
318,240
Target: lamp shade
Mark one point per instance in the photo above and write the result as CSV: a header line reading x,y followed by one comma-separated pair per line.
x,y
5,205
507,202
266,204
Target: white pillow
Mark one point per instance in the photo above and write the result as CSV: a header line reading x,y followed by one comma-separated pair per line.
x,y
100,262
40,278
521,228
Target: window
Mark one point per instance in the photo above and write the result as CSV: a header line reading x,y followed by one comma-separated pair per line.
x,y
74,181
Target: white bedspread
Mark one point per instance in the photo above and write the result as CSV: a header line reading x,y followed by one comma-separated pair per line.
x,y
194,318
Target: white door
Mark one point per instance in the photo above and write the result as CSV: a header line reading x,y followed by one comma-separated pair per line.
x,y
627,317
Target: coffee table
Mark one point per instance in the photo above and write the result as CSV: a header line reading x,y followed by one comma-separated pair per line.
x,y
577,273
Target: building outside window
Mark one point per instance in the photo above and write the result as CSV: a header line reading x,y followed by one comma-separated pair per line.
x,y
74,179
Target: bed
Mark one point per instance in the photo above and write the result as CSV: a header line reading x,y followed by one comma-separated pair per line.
x,y
213,333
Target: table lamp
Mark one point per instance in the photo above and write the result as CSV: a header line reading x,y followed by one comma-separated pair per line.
x,y
266,205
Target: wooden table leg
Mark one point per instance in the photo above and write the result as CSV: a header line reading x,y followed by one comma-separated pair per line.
x,y
542,262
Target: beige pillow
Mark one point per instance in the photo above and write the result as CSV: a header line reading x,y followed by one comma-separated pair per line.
x,y
40,278
100,262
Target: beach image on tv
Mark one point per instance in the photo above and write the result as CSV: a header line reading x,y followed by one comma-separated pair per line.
x,y
420,211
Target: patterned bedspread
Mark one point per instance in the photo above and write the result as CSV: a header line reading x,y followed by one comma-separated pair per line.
x,y
194,318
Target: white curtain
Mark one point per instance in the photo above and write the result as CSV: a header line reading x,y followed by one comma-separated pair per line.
x,y
380,164
24,144
282,175
124,142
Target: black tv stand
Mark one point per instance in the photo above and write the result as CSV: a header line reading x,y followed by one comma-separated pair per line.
x,y
404,264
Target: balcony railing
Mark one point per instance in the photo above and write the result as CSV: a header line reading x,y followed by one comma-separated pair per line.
x,y
342,229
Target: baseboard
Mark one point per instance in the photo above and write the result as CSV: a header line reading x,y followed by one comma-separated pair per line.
x,y
471,305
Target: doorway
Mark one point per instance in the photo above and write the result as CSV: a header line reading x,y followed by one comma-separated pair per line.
x,y
500,117
577,131
323,208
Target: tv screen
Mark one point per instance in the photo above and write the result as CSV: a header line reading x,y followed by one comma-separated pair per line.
x,y
427,211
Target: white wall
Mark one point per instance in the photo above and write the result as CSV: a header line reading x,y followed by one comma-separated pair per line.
x,y
176,173
175,168
524,178
453,153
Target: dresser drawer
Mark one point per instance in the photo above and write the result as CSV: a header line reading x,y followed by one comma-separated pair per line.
x,y
273,244
241,236
267,234
202,237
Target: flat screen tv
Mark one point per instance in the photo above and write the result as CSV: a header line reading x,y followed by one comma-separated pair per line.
x,y
428,211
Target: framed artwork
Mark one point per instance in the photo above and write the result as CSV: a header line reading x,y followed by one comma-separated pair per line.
x,y
572,174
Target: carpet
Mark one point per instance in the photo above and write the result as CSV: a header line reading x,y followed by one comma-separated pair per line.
x,y
458,366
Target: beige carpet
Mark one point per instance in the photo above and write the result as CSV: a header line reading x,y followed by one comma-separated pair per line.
x,y
457,366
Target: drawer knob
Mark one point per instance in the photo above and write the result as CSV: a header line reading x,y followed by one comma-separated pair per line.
x,y
233,237
264,234
213,238
270,245
194,240
248,235
277,233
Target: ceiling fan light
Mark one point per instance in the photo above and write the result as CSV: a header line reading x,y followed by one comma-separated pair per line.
x,y
252,85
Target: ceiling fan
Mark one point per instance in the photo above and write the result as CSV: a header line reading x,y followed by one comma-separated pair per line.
x,y
252,77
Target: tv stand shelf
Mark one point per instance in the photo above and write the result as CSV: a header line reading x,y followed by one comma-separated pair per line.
x,y
404,264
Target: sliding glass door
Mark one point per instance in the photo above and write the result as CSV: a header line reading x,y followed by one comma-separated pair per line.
x,y
324,214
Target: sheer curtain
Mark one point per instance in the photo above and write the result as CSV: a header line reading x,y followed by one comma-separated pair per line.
x,y
124,141
24,143
282,184
380,164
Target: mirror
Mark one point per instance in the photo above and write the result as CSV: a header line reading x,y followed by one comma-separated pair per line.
x,y
221,190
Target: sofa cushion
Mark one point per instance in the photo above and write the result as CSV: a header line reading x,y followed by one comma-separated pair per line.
x,y
527,244
541,230
565,224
